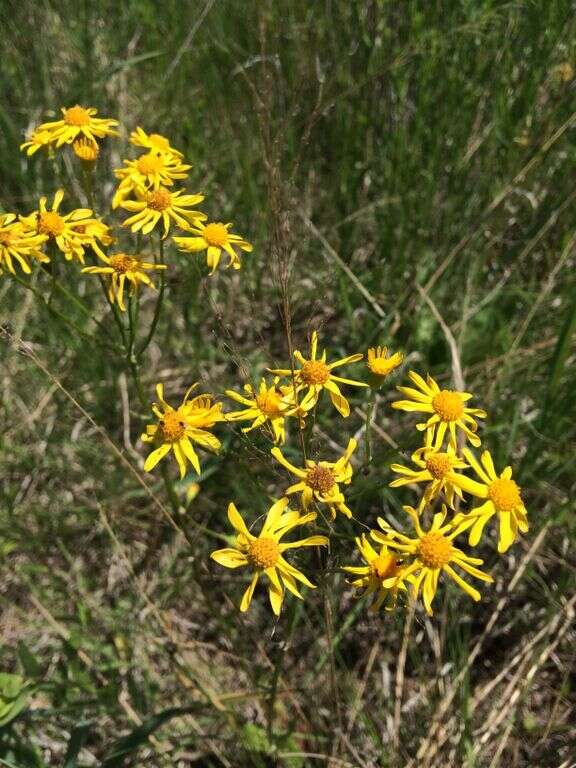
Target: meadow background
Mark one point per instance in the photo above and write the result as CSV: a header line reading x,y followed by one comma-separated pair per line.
x,y
414,163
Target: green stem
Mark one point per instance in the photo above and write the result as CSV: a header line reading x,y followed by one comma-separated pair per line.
x,y
368,432
158,307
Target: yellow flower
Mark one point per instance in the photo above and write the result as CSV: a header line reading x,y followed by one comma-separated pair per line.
x,y
503,497
154,142
38,140
121,268
382,573
436,468
149,171
320,481
18,243
269,405
86,150
430,554
77,121
214,238
316,375
70,232
379,364
446,407
178,428
264,553
155,205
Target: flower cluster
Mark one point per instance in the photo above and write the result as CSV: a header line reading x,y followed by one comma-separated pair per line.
x,y
444,469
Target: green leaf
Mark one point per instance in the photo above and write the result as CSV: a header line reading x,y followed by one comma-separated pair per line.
x,y
14,695
139,736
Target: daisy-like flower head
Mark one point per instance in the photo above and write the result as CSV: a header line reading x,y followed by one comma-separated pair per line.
x,y
430,554
446,407
320,481
269,405
178,428
121,268
149,171
315,374
70,231
380,364
38,140
502,497
154,142
436,468
214,238
382,574
86,151
264,553
155,205
19,243
77,121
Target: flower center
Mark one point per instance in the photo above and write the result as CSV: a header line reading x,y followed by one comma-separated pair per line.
x,y
5,237
159,199
76,116
320,479
269,403
86,150
434,550
263,552
51,223
383,566
448,405
438,464
314,372
122,263
149,164
172,427
215,234
505,495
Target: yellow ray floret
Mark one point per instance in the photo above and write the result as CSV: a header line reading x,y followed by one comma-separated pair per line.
x,y
380,364
86,151
161,205
314,375
120,268
270,405
76,121
178,428
71,232
150,171
430,554
214,238
436,468
503,497
319,481
382,574
38,140
264,553
19,244
446,407
154,142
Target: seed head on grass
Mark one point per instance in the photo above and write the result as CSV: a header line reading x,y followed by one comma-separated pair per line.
x,y
264,553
